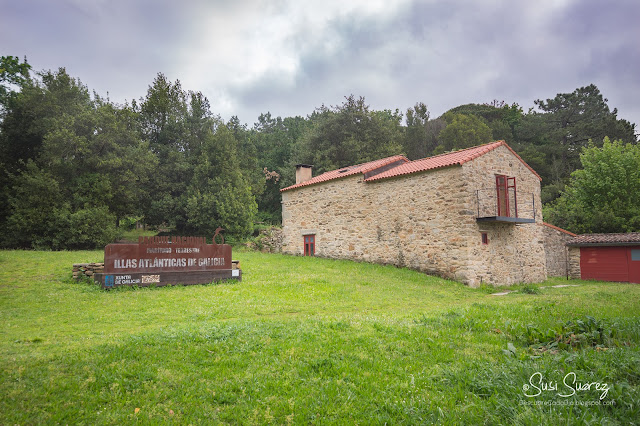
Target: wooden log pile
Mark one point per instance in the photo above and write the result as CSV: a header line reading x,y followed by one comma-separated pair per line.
x,y
86,269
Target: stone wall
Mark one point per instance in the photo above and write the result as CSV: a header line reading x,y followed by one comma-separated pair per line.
x,y
515,252
425,221
404,221
556,250
574,263
86,269
268,240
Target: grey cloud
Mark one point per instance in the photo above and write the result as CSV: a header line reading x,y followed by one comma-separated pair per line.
x,y
441,53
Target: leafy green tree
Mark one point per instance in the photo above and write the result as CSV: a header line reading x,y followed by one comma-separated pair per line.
x,y
12,73
419,139
42,217
604,195
349,134
501,117
274,140
87,152
122,161
551,139
219,195
583,115
566,124
163,116
463,131
31,115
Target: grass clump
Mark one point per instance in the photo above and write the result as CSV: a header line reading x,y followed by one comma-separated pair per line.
x,y
572,335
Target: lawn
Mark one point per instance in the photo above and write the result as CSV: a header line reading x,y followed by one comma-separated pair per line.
x,y
312,341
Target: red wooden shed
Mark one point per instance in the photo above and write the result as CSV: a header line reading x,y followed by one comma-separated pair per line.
x,y
609,257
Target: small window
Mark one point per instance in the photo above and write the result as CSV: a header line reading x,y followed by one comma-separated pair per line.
x,y
309,245
635,254
485,238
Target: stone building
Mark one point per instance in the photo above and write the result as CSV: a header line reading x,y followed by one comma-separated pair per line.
x,y
472,215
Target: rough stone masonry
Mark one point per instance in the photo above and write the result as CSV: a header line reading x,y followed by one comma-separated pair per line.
x,y
425,221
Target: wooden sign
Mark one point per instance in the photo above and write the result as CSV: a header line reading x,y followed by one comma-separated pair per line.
x,y
166,260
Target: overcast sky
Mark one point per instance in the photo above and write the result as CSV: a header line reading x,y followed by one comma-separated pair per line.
x,y
289,57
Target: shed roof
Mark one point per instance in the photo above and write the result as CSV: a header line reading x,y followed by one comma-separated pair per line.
x,y
626,239
406,167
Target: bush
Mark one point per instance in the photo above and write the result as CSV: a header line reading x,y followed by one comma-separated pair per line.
x,y
90,228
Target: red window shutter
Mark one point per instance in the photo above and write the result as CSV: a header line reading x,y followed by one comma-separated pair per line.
x,y
502,195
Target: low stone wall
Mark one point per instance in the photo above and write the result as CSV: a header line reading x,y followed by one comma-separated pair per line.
x,y
268,241
87,269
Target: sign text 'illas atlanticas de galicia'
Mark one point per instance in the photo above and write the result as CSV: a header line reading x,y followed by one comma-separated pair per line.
x,y
180,254
166,260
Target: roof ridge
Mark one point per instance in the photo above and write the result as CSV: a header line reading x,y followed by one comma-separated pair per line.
x,y
348,171
353,166
498,143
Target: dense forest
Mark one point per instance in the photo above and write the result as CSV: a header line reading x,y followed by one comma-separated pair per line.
x,y
75,167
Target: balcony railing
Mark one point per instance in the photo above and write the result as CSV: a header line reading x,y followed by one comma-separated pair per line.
x,y
506,206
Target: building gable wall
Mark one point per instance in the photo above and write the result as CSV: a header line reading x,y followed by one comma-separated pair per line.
x,y
515,253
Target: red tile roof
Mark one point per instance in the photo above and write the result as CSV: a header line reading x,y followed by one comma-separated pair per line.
x,y
407,167
630,238
349,171
446,160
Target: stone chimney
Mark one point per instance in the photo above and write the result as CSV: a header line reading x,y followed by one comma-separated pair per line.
x,y
303,172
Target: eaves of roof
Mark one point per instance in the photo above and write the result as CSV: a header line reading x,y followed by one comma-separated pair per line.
x,y
614,239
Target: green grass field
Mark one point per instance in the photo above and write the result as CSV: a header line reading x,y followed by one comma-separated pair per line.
x,y
312,341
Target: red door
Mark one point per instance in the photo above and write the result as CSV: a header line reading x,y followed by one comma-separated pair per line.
x,y
604,263
634,265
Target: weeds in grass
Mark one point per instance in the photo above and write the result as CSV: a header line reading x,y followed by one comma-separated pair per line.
x,y
573,335
529,289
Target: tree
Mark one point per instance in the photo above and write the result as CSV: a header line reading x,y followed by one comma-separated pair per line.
x,y
163,115
274,140
75,165
349,134
501,117
43,218
551,139
604,195
12,73
583,115
463,131
119,157
31,116
569,121
421,134
219,195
